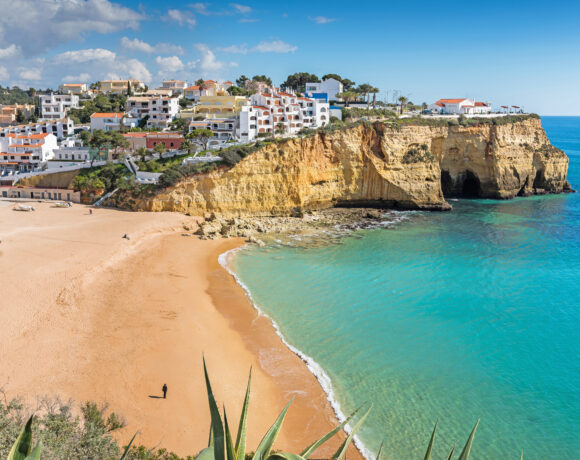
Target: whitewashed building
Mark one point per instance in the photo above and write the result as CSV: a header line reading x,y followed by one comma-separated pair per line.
x,y
177,86
56,106
326,89
60,128
79,89
26,153
160,110
281,111
111,121
223,129
460,107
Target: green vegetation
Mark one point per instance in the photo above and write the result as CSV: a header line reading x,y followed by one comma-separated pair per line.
x,y
109,175
297,81
418,154
100,103
62,435
176,173
100,140
361,113
202,136
15,95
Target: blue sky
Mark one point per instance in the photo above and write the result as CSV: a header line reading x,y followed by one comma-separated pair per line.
x,y
508,52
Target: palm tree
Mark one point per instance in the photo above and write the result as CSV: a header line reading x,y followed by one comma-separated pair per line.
x,y
403,100
365,89
347,96
188,146
374,90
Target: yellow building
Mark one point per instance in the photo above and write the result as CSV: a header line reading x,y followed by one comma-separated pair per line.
x,y
121,86
220,106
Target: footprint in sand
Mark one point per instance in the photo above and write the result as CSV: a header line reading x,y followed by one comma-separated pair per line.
x,y
167,314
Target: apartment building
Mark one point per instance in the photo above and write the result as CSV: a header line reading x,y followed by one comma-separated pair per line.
x,y
56,106
160,110
121,86
220,106
277,110
326,89
80,89
223,129
26,153
112,121
176,86
60,128
8,113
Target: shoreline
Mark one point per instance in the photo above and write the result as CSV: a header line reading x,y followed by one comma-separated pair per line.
x,y
315,369
113,320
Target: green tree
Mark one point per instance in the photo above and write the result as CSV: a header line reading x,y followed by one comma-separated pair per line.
x,y
403,101
424,106
237,91
117,141
263,79
180,124
364,89
20,118
347,96
142,152
348,84
297,81
160,148
188,146
200,82
332,75
241,82
202,136
374,90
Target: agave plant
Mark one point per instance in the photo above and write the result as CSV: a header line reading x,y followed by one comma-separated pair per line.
x,y
22,447
464,453
222,447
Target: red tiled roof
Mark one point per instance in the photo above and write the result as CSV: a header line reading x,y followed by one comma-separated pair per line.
x,y
304,99
135,134
450,101
107,115
286,94
481,104
192,88
261,107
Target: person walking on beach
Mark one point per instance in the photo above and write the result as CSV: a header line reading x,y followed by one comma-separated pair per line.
x,y
91,212
164,391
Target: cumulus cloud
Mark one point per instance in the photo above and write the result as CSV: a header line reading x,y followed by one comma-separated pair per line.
x,y
39,25
31,74
201,8
275,46
169,64
181,17
208,65
87,55
144,47
321,19
9,52
235,49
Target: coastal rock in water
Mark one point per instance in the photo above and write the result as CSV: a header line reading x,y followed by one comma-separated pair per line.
x,y
380,166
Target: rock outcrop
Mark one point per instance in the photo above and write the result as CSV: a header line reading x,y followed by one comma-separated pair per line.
x,y
408,167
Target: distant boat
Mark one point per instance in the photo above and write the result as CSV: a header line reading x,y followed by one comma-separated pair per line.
x,y
23,207
63,204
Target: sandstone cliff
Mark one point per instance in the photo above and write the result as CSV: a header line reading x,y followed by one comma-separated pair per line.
x,y
410,167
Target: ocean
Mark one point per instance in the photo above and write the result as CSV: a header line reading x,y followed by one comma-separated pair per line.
x,y
459,316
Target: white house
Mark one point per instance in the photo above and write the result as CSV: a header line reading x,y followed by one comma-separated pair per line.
x,y
26,153
161,110
223,129
326,89
459,107
56,106
74,88
111,121
177,86
60,128
268,112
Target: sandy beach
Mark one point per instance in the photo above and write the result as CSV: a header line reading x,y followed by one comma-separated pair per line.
x,y
89,315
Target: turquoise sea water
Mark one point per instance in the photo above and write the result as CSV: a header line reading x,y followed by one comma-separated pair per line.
x,y
450,316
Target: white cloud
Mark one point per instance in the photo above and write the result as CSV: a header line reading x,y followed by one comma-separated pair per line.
x,y
83,77
235,49
275,46
31,74
243,9
9,52
4,75
201,8
169,64
181,17
248,20
321,19
87,55
132,68
39,25
144,47
208,65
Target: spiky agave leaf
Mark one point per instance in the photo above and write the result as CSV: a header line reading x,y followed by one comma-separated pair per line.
x,y
316,444
241,437
35,454
265,447
126,451
451,451
522,456
206,454
380,451
23,444
430,446
217,426
342,449
230,453
467,449
285,456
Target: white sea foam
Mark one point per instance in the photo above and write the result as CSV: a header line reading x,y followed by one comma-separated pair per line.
x,y
311,364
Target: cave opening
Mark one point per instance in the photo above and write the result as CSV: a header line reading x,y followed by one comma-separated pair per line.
x,y
471,187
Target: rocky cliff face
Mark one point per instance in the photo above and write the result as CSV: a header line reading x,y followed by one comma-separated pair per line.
x,y
410,167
